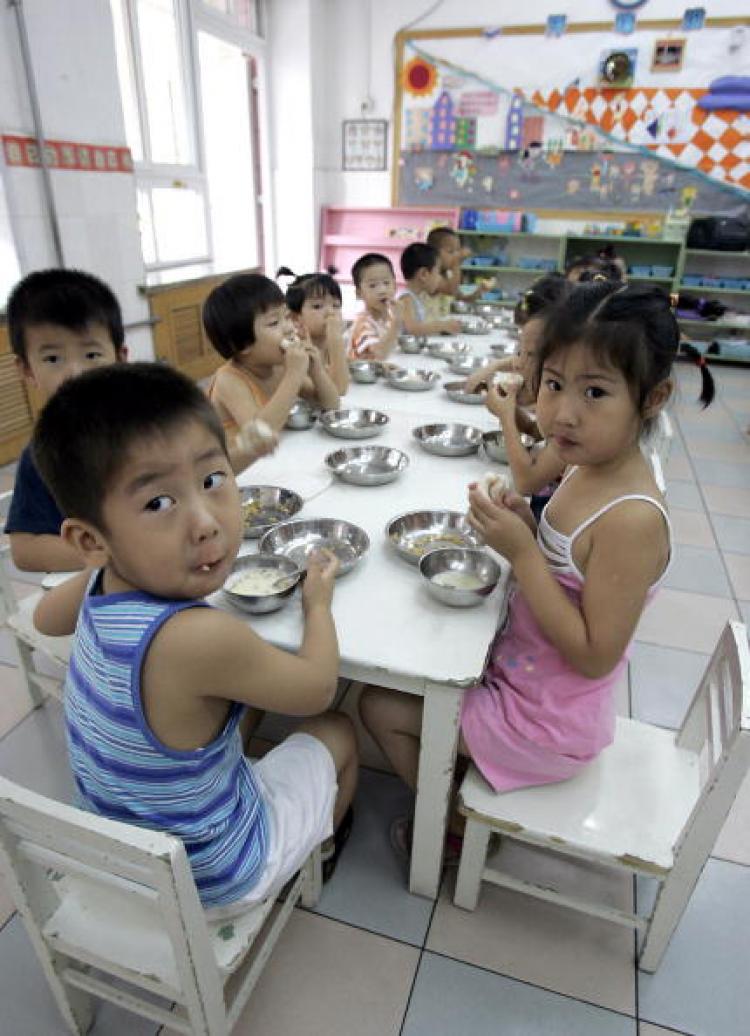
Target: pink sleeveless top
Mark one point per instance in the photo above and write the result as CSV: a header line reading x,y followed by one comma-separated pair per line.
x,y
533,719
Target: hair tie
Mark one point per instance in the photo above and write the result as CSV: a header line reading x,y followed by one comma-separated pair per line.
x,y
599,277
700,361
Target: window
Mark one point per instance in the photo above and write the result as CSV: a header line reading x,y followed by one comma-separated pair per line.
x,y
184,76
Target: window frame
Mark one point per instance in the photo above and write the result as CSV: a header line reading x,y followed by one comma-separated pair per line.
x,y
192,16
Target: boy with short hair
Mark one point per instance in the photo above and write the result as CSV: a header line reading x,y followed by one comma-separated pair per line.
x,y
375,330
420,267
447,243
159,680
60,323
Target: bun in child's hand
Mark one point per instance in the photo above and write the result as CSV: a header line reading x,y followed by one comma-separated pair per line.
x,y
493,485
256,436
507,379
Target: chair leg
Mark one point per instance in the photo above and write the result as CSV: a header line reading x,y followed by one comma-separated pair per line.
x,y
312,880
473,856
27,670
671,900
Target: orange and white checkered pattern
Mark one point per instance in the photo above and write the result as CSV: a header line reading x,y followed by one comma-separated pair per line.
x,y
716,142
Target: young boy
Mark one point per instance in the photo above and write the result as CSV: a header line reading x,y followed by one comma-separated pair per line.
x,y
61,323
447,244
245,319
375,330
421,269
158,680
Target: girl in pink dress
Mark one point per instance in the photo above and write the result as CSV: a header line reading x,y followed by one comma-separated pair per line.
x,y
544,707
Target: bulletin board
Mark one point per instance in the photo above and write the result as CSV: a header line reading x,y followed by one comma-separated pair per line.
x,y
479,123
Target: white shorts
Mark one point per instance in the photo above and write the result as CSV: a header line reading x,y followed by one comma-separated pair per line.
x,y
297,782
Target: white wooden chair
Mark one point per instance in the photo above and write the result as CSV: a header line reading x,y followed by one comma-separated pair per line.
x,y
112,910
653,803
661,436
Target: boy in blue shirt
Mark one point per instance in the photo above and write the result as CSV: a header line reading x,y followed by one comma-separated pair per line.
x,y
61,323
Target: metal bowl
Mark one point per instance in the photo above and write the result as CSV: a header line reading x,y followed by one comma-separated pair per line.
x,y
417,533
460,306
297,540
448,350
493,446
474,325
353,424
505,347
466,365
448,440
288,576
499,321
367,465
484,309
411,343
411,380
302,415
364,371
459,576
456,391
266,506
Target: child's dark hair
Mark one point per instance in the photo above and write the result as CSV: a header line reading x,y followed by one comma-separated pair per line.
x,y
630,328
85,431
308,286
230,310
70,298
439,235
416,257
367,260
593,268
542,294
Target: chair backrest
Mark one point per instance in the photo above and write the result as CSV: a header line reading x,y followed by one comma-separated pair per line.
x,y
111,863
717,723
661,436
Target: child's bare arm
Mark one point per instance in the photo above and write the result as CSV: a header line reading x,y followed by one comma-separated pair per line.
x,y
57,612
338,368
43,553
532,470
384,346
625,558
319,386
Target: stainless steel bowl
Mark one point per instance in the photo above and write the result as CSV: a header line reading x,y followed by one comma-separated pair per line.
x,y
288,575
411,380
416,533
460,576
297,540
353,424
364,371
456,391
484,309
448,350
367,465
474,325
460,306
506,347
493,446
411,343
499,321
448,440
466,365
302,415
266,506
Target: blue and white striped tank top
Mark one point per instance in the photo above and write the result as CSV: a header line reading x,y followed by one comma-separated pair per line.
x,y
207,796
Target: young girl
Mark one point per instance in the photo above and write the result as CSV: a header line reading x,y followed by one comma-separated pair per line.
x,y
245,320
314,300
544,707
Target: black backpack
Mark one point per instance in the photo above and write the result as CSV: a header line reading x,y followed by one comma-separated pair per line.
x,y
723,233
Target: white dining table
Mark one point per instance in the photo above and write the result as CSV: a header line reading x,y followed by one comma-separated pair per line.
x,y
391,631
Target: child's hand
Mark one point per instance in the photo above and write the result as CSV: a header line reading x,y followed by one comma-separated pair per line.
x,y
502,402
452,327
334,327
501,522
257,438
297,359
322,566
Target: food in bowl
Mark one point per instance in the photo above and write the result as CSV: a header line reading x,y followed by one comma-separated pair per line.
x,y
259,582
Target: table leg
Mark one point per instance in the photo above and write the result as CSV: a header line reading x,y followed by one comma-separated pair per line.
x,y
437,756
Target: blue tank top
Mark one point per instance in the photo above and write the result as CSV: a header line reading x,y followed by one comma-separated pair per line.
x,y
207,796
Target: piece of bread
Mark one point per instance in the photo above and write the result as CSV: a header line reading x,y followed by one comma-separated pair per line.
x,y
505,379
492,484
254,434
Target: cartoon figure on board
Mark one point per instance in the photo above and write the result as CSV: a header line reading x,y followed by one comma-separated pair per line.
x,y
464,169
529,160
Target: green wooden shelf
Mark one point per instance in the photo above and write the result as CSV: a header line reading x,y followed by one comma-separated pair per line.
x,y
511,233
721,325
716,254
506,269
704,289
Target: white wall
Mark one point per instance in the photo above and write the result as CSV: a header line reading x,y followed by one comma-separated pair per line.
x,y
72,48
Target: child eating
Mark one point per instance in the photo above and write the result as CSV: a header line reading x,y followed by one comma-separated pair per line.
x,y
420,267
314,301
245,320
161,687
375,330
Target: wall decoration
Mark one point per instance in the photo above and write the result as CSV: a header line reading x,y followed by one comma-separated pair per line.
x,y
420,77
556,24
493,129
364,144
64,154
627,5
625,23
668,55
694,19
617,68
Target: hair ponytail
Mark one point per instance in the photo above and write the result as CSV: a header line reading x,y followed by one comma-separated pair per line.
x,y
708,385
284,271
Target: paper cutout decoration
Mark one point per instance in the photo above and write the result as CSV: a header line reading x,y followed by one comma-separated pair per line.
x,y
694,18
668,55
556,24
617,68
420,77
727,92
625,23
514,123
424,178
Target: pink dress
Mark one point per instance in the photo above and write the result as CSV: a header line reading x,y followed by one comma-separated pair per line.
x,y
533,719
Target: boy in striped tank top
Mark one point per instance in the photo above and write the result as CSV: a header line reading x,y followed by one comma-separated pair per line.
x,y
163,690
